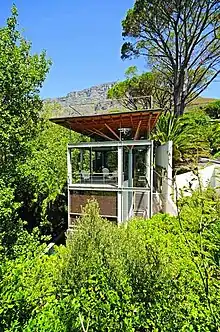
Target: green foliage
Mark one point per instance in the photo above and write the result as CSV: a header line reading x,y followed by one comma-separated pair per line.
x,y
41,180
36,194
21,77
190,134
214,139
151,275
213,109
180,40
9,224
199,220
135,91
160,274
25,286
33,151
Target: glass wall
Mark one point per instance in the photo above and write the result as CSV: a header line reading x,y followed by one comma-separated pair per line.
x,y
95,165
121,174
100,165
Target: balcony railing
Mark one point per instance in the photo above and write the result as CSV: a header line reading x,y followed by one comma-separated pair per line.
x,y
85,177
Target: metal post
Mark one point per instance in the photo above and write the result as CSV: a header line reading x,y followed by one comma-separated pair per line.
x,y
69,171
91,165
148,177
81,160
148,166
151,179
130,182
169,175
120,183
95,162
103,159
69,165
151,102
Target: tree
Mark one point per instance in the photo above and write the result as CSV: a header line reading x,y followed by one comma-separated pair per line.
x,y
136,90
180,39
21,76
190,135
41,179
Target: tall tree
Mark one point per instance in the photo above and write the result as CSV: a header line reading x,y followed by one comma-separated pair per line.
x,y
137,90
180,39
21,76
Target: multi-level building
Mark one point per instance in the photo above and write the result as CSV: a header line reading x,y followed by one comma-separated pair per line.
x,y
114,164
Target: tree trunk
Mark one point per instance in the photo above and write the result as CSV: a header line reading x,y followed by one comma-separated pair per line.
x,y
177,103
179,95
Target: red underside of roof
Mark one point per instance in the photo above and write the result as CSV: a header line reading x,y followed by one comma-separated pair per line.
x,y
107,126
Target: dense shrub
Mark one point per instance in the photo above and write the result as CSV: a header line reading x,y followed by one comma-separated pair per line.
x,y
213,109
151,275
26,286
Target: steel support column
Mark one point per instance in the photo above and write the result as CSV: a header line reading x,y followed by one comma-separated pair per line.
x,y
120,183
151,179
69,170
81,160
130,182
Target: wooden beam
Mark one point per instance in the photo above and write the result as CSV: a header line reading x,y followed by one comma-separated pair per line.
x,y
149,125
138,130
154,121
131,119
112,131
89,132
98,132
69,124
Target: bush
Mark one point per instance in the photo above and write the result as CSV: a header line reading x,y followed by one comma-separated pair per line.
x,y
26,286
213,109
150,275
10,226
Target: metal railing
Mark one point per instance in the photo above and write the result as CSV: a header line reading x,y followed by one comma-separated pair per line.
x,y
85,177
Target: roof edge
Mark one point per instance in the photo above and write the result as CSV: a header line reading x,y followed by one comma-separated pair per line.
x,y
53,119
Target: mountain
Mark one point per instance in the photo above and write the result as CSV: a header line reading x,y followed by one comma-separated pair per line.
x,y
94,100
87,101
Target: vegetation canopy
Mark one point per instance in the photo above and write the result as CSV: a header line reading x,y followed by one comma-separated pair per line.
x,y
21,77
160,274
180,40
153,275
140,91
32,150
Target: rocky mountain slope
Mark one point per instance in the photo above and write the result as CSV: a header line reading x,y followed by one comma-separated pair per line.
x,y
94,100
87,101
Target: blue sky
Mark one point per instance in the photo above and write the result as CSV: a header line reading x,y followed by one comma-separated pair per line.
x,y
82,38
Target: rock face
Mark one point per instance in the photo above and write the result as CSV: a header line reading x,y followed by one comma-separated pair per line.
x,y
87,101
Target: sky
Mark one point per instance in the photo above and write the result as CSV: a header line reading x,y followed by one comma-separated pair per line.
x,y
81,37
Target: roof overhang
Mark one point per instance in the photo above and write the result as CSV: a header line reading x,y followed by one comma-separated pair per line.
x,y
108,125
